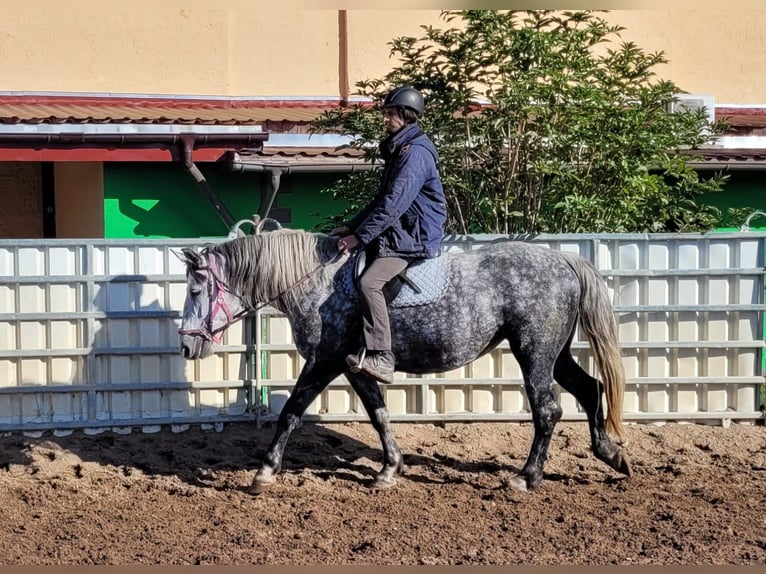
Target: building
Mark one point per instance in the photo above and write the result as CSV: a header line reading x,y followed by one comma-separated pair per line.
x,y
175,122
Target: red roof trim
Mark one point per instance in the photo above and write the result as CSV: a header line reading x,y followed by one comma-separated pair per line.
x,y
724,111
107,154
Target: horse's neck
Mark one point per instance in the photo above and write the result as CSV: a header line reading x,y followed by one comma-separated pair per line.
x,y
317,286
298,290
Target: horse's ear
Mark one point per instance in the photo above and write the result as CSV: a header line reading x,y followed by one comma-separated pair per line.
x,y
189,256
181,256
268,224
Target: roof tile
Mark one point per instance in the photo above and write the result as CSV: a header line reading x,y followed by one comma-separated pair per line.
x,y
35,112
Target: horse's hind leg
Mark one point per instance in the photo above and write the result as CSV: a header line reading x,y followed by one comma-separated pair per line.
x,y
587,391
546,412
308,386
372,399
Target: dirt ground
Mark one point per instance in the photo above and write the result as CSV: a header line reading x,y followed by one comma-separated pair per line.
x,y
696,497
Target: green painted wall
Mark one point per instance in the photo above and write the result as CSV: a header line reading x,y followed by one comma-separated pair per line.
x,y
161,200
745,189
154,200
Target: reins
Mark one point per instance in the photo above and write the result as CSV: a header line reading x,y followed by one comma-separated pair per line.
x,y
293,286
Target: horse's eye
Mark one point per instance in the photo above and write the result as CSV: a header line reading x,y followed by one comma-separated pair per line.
x,y
195,291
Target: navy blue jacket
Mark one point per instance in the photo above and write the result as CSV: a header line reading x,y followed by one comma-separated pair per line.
x,y
408,212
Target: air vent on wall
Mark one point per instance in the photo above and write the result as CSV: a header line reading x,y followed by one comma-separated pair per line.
x,y
683,102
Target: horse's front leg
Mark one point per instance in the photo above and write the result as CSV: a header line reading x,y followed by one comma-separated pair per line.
x,y
310,383
369,393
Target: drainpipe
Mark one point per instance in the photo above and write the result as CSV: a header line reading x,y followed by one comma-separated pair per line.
x,y
343,81
272,187
67,136
204,186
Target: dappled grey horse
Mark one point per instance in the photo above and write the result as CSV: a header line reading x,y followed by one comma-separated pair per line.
x,y
524,293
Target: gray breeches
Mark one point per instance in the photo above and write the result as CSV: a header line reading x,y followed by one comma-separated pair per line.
x,y
377,331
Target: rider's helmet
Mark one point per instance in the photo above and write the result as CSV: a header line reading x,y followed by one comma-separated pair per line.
x,y
407,97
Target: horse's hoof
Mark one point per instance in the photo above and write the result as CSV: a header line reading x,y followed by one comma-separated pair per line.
x,y
383,482
624,466
264,478
259,486
517,482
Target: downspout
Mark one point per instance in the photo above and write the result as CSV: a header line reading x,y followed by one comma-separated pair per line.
x,y
202,184
343,81
272,187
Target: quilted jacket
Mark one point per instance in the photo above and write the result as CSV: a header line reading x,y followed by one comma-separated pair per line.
x,y
406,216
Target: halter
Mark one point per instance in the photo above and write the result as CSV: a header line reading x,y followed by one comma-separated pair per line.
x,y
218,304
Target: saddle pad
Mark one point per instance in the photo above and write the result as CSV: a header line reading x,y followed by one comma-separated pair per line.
x,y
430,275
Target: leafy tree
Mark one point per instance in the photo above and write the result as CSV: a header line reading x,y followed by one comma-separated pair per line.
x,y
543,124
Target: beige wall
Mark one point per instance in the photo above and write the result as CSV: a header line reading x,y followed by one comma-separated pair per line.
x,y
79,199
249,50
716,51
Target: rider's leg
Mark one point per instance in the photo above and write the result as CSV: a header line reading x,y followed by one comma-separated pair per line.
x,y
378,361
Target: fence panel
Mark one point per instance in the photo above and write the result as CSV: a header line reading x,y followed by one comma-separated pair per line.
x,y
88,340
690,314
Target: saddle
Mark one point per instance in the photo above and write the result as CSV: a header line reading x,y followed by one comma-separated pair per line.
x,y
422,282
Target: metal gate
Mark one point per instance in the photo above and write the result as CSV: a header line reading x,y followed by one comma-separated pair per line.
x,y
88,340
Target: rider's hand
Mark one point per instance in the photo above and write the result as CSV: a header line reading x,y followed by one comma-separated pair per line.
x,y
348,243
342,231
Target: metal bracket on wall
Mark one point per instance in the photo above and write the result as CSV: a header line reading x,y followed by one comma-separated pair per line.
x,y
202,184
272,188
746,225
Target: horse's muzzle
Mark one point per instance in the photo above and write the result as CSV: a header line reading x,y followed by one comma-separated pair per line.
x,y
195,347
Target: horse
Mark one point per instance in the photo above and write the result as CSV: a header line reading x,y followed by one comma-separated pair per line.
x,y
524,293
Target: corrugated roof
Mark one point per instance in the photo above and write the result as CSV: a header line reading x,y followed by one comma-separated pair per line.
x,y
82,114
275,116
83,108
305,152
731,153
345,159
749,117
55,110
734,158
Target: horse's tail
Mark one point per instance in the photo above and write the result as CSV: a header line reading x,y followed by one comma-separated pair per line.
x,y
598,321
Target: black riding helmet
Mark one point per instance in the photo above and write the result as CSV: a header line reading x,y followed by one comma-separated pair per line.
x,y
407,97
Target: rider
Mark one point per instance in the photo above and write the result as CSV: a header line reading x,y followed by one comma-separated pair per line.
x,y
403,221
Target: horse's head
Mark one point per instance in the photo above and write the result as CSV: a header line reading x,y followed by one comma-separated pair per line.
x,y
210,306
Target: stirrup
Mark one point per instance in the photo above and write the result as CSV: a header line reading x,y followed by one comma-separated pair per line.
x,y
359,358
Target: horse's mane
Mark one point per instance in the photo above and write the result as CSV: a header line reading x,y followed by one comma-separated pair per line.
x,y
273,264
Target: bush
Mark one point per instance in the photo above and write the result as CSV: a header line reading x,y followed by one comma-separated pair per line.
x,y
543,124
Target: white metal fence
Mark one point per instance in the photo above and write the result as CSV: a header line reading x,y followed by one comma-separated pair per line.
x,y
88,340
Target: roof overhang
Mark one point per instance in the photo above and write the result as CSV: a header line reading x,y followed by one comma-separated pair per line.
x,y
292,153
290,160
52,126
736,159
730,153
123,141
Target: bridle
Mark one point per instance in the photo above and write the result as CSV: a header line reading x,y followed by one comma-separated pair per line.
x,y
217,288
